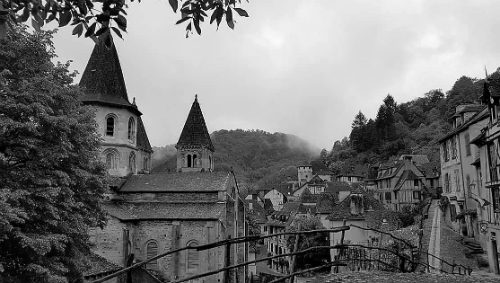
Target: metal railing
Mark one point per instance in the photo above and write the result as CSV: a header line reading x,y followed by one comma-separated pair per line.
x,y
397,256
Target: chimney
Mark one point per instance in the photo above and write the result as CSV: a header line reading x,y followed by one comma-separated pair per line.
x,y
408,160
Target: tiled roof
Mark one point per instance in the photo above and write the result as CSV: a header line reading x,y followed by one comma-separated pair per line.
x,y
396,164
164,211
483,114
94,264
416,158
431,169
195,133
343,209
142,137
103,79
335,187
326,203
316,180
177,182
257,212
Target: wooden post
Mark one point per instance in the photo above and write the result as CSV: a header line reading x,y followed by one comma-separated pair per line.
x,y
227,261
294,257
340,254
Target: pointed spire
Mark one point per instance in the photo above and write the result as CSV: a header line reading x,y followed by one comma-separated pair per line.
x,y
103,78
195,133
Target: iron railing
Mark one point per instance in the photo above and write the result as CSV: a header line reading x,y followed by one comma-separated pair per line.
x,y
398,255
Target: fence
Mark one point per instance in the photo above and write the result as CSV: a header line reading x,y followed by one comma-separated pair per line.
x,y
398,256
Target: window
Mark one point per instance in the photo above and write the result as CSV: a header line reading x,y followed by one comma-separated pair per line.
x,y
447,183
416,195
495,194
189,161
415,183
131,162
112,157
192,258
152,251
145,164
453,212
453,148
110,125
388,197
195,160
457,181
131,129
467,144
445,151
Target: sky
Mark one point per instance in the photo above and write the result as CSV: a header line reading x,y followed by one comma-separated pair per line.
x,y
302,67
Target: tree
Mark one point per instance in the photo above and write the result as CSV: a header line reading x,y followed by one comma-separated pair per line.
x,y
316,257
99,17
359,120
51,178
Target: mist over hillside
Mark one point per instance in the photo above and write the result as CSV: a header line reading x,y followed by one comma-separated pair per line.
x,y
257,157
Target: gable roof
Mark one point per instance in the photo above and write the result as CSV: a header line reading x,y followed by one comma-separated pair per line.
x,y
195,133
416,158
343,209
177,182
481,115
408,175
431,169
103,79
93,265
164,211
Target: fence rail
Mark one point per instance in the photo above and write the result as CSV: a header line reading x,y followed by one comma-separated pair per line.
x,y
401,256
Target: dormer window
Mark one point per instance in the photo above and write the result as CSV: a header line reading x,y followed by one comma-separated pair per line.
x,y
131,128
110,125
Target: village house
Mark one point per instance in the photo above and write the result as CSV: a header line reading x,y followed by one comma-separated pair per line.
x,y
486,190
401,183
458,170
149,214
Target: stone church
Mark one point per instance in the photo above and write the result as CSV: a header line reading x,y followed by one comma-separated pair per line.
x,y
152,213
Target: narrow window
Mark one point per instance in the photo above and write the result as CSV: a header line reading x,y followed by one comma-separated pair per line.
x,y
145,165
195,160
467,144
110,126
131,128
111,155
189,161
193,258
131,162
152,251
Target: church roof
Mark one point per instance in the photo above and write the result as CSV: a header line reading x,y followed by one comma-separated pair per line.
x,y
195,133
163,211
177,182
103,79
142,137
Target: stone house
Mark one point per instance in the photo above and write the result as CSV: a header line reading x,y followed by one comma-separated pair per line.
x,y
277,198
459,173
485,191
151,213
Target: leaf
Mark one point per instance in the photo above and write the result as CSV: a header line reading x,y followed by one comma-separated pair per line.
x,y
78,30
122,22
229,18
197,26
117,31
101,30
36,25
241,12
26,14
174,4
64,18
90,30
182,20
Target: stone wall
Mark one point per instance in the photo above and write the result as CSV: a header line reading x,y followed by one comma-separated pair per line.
x,y
108,242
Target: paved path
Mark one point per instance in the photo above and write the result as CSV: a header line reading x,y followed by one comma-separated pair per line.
x,y
435,239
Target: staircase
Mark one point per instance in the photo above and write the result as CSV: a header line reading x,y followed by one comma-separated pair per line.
x,y
473,246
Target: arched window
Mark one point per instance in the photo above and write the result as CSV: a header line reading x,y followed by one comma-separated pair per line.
x,y
195,160
110,125
131,128
112,158
189,161
152,251
192,258
131,162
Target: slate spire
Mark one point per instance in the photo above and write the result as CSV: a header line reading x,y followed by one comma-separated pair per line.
x,y
103,78
195,133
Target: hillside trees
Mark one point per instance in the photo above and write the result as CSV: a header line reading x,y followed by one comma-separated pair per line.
x,y
51,178
100,17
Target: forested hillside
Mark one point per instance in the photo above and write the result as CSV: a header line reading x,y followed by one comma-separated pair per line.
x,y
412,127
258,158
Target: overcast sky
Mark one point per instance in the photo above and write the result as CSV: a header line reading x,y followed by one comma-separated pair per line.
x,y
298,67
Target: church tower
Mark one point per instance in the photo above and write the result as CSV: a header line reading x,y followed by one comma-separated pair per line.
x,y
194,148
125,145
